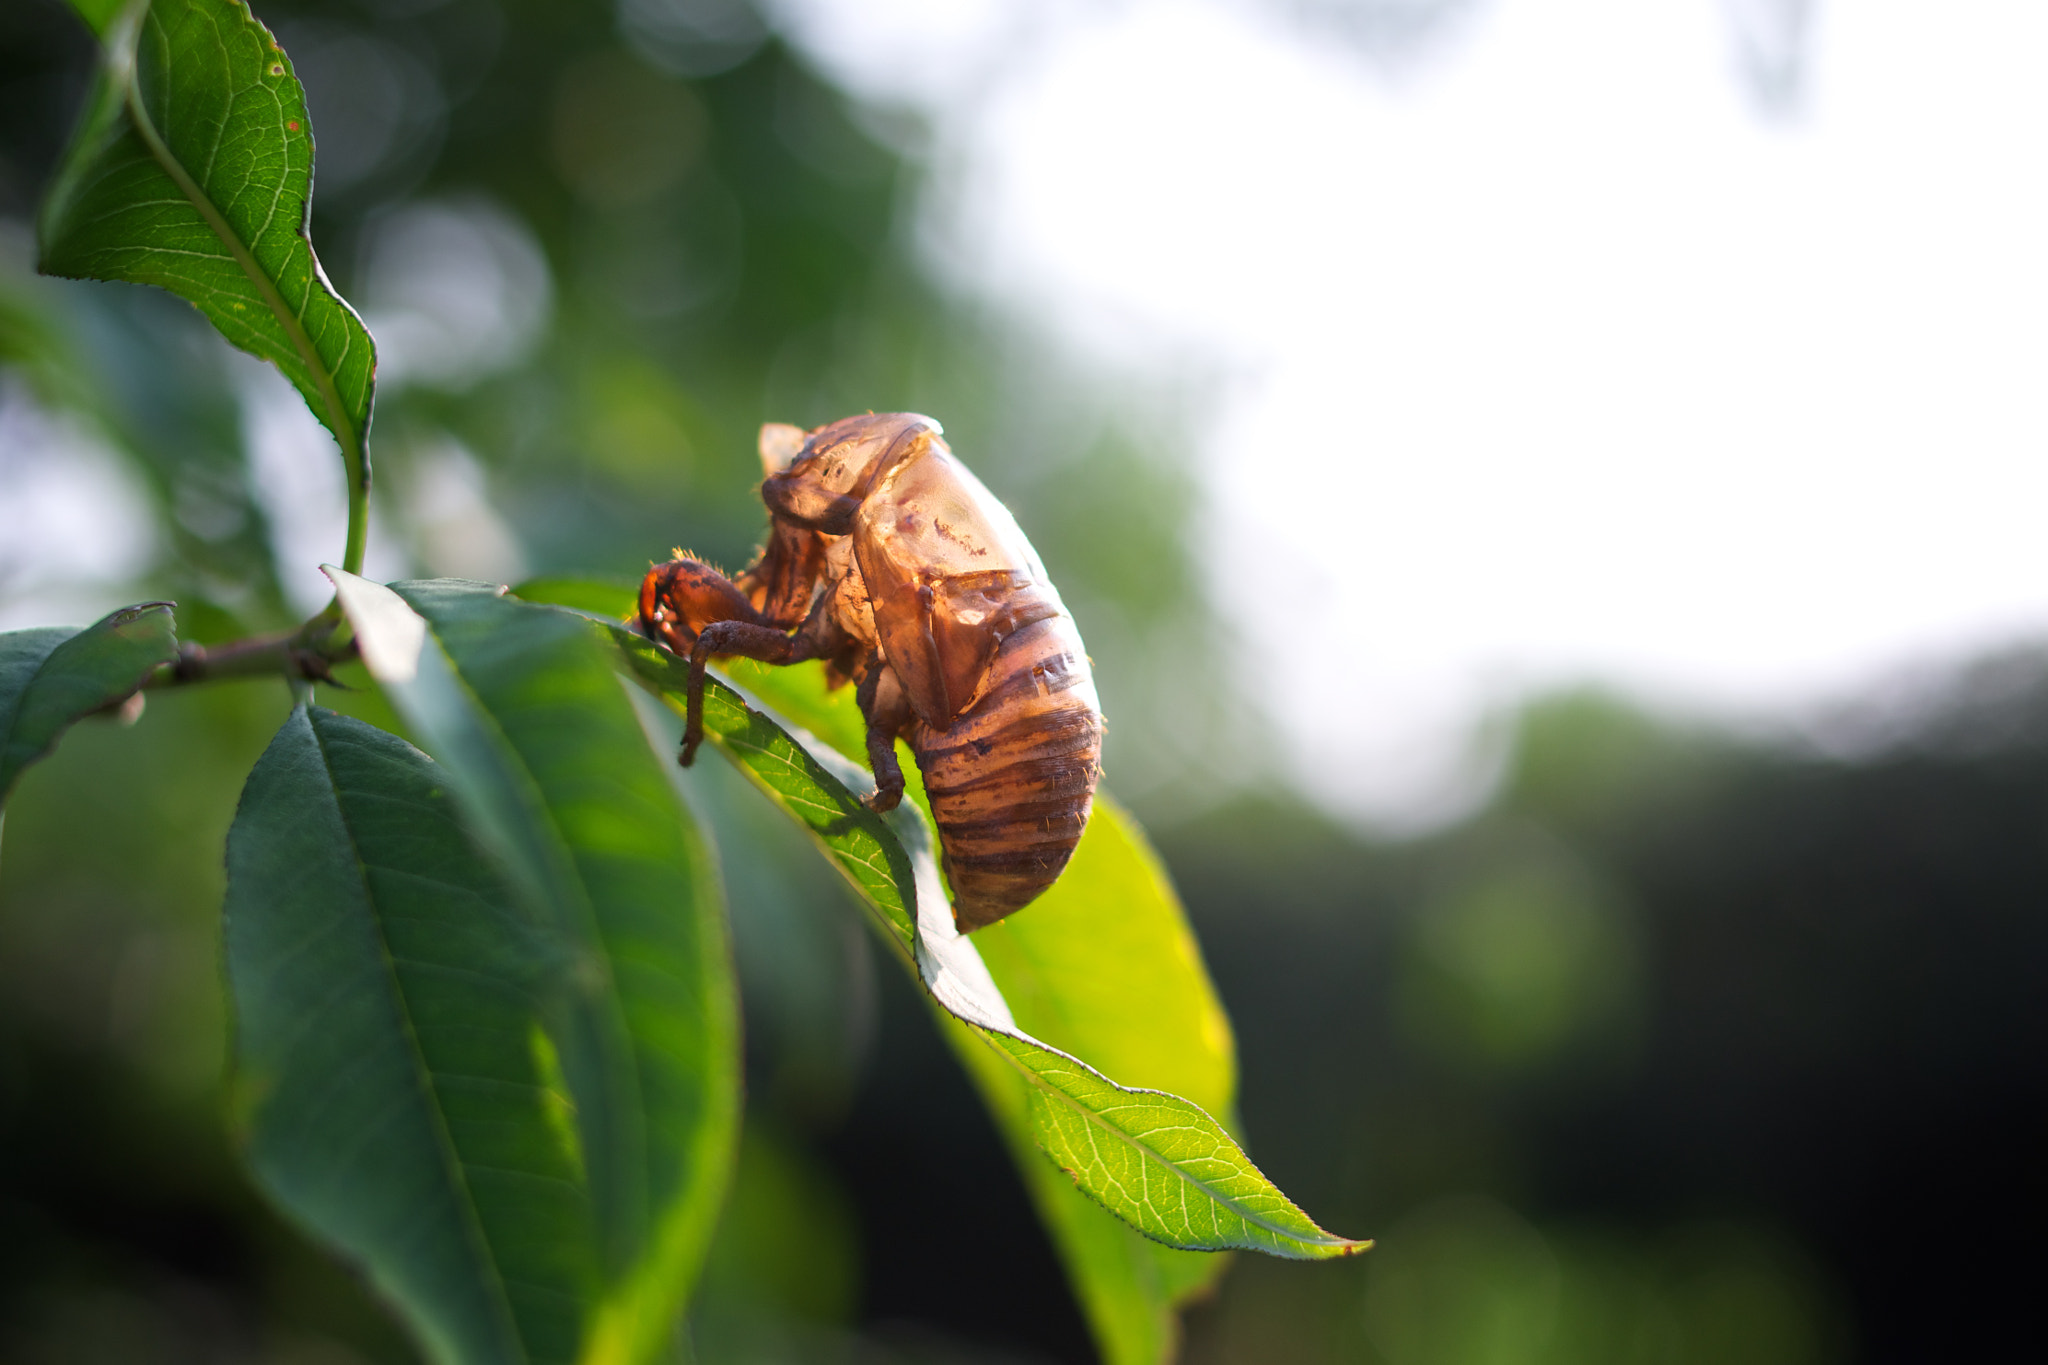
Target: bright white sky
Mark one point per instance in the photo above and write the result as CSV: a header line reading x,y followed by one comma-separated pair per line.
x,y
1550,360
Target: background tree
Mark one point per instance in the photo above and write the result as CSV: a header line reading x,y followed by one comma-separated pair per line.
x,y
1684,1049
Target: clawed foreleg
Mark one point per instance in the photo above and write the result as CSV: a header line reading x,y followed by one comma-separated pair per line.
x,y
748,641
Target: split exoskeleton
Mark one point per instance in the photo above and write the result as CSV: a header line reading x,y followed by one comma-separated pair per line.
x,y
889,560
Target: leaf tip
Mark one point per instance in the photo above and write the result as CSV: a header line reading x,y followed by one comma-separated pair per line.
x,y
390,634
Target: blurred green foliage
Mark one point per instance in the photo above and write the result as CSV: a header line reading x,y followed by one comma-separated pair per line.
x,y
1764,1079
1760,1084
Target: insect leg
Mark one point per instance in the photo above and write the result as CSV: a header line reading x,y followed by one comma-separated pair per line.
x,y
820,637
744,638
886,708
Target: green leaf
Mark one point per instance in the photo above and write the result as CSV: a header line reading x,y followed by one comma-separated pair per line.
x,y
1104,966
99,15
614,601
192,170
51,678
1156,1160
392,1007
547,760
1129,1287
1159,1162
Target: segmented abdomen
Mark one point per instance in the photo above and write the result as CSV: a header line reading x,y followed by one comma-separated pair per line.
x,y
1012,780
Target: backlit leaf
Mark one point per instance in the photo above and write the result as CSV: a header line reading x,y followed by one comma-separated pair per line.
x,y
192,170
1102,966
592,597
1157,1160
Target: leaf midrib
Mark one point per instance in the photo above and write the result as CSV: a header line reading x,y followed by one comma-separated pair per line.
x,y
568,886
422,1073
1145,1152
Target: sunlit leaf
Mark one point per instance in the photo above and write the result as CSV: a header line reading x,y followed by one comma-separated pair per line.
x,y
593,597
546,758
1158,1161
1102,966
878,854
1129,1287
1105,967
192,170
52,678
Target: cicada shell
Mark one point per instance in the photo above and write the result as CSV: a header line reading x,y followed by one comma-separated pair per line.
x,y
889,560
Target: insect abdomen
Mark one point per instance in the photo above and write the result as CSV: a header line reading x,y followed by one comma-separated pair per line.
x,y
1012,780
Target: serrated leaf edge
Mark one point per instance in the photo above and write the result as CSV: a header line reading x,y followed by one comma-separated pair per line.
x,y
1326,1241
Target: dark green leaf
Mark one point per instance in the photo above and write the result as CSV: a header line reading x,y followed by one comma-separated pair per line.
x,y
192,170
547,759
393,1011
51,678
1156,1160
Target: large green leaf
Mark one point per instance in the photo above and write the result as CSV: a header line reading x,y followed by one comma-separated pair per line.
x,y
1103,966
1157,1160
192,170
393,1003
53,677
545,756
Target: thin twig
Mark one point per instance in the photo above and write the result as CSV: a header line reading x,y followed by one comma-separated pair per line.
x,y
288,654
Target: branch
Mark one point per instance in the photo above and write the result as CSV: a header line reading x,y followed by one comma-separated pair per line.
x,y
289,654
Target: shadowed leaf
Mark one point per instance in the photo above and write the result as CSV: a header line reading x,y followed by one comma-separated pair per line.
x,y
52,678
393,1002
545,758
